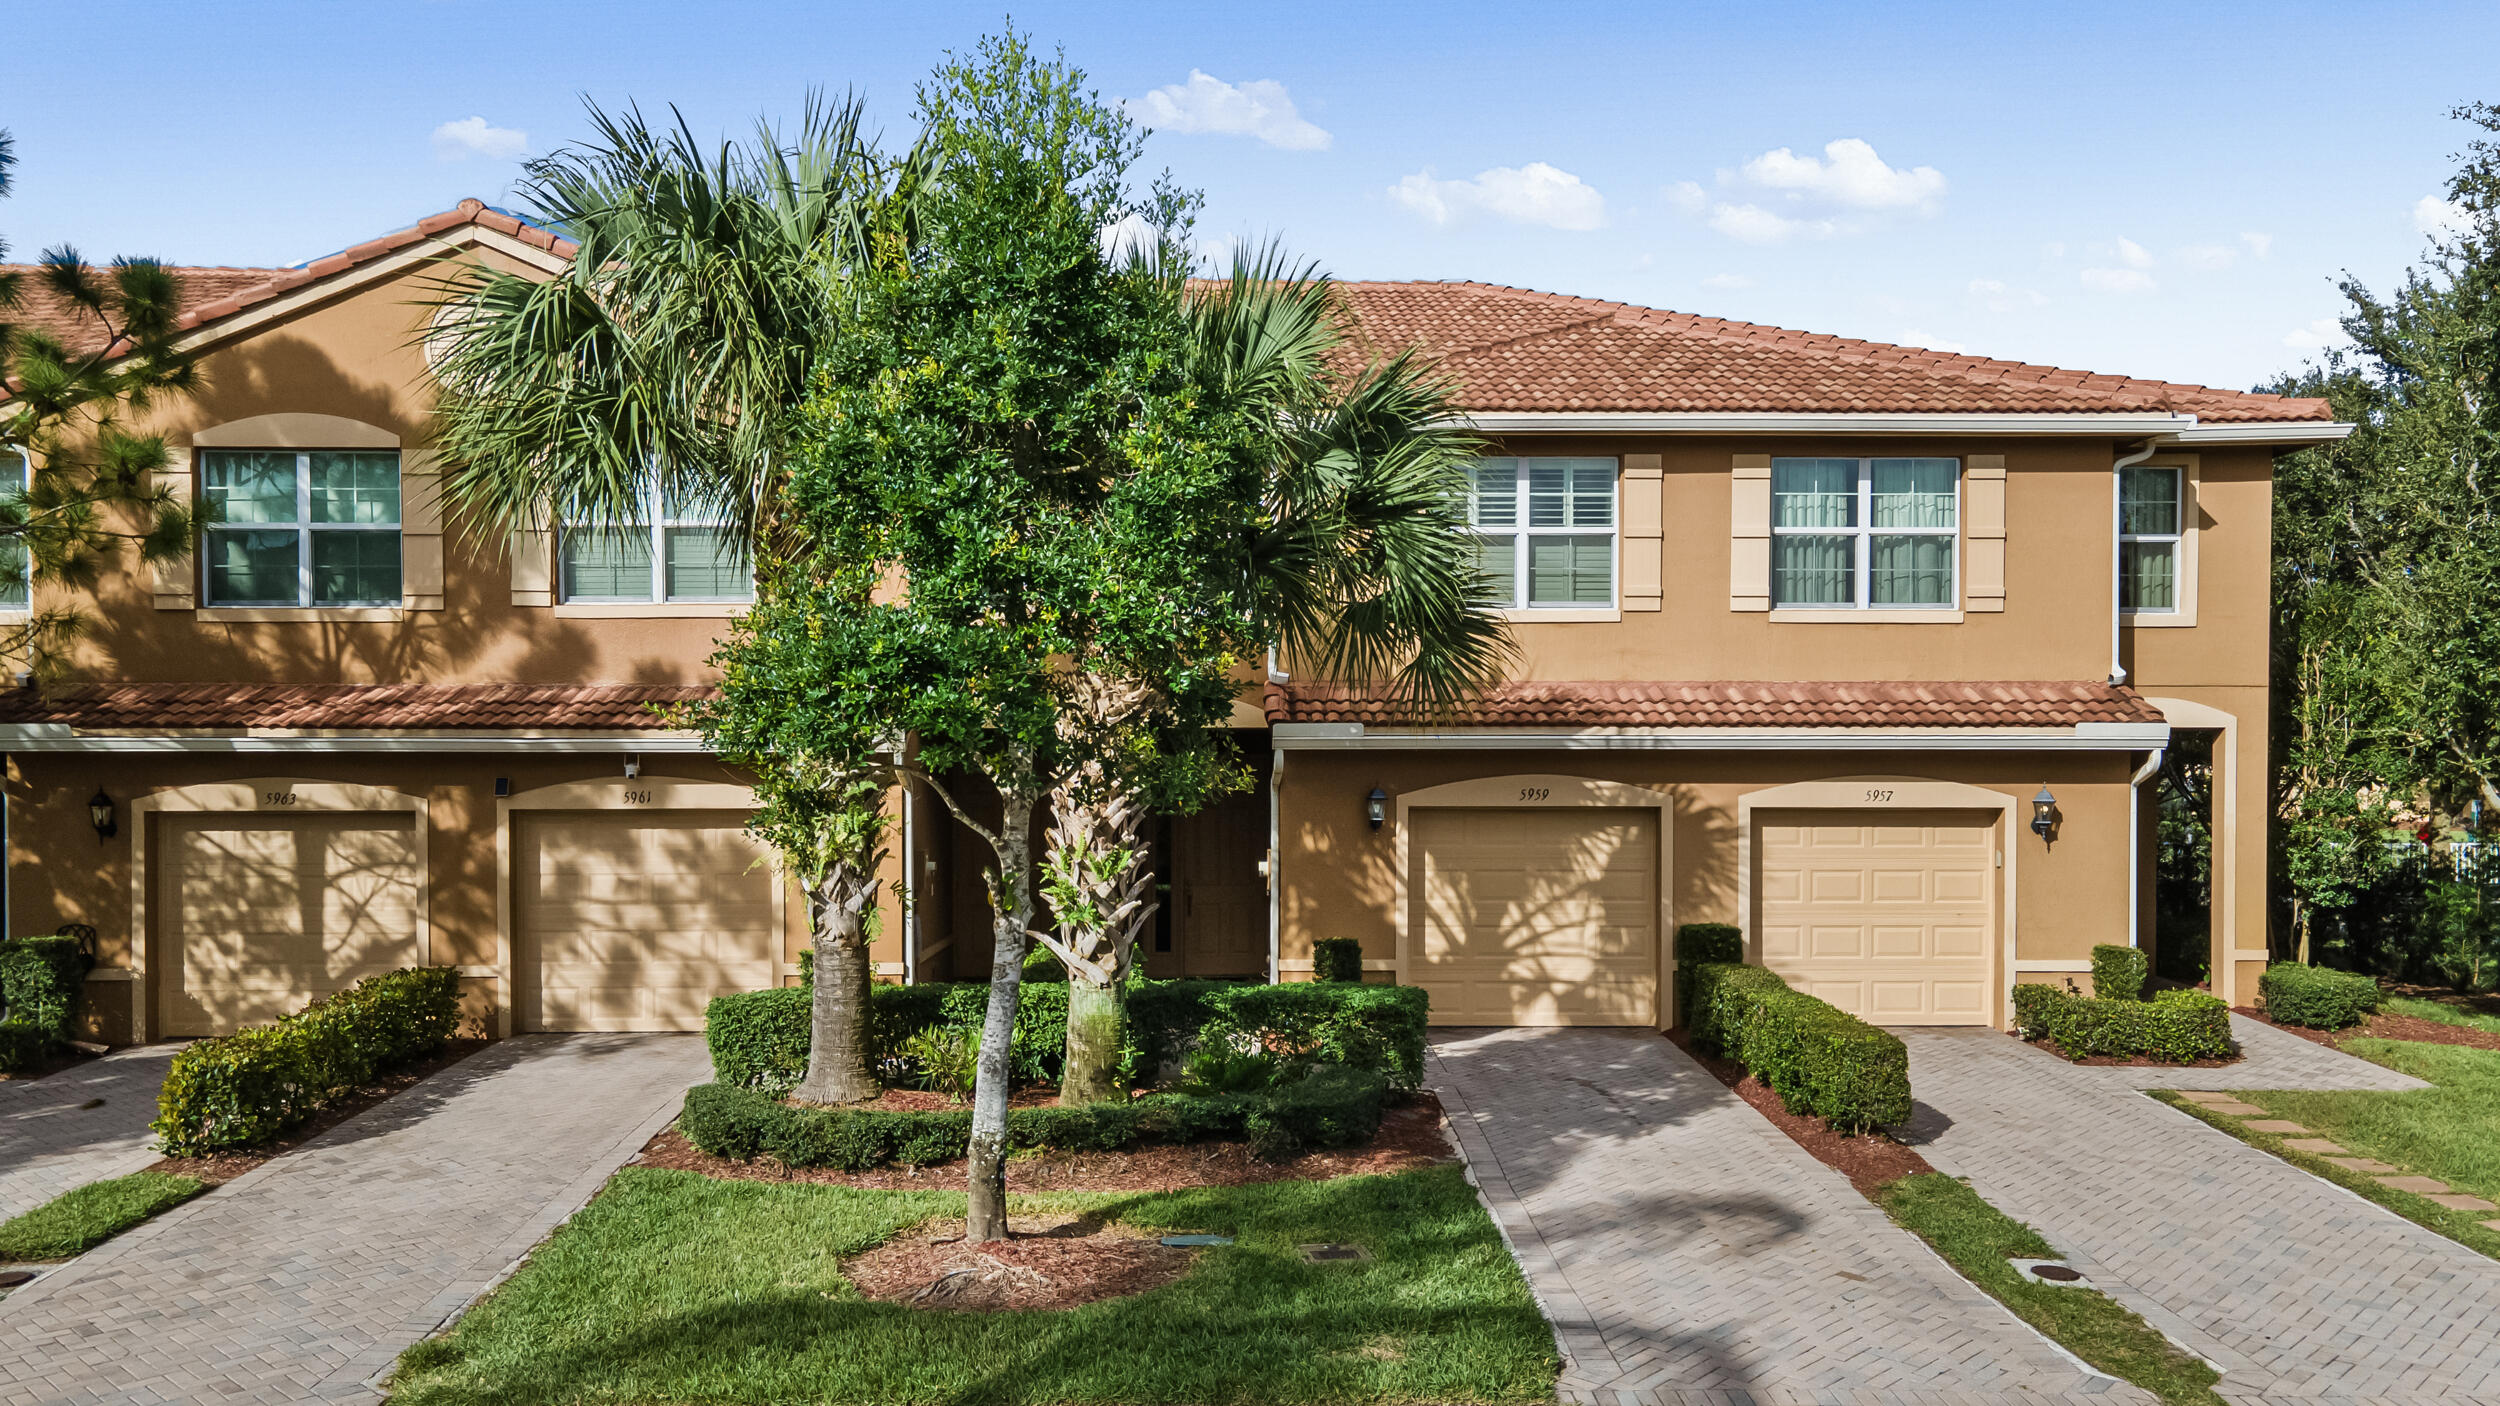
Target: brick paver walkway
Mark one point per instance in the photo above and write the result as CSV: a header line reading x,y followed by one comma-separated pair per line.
x,y
2299,1290
301,1281
1689,1253
51,1143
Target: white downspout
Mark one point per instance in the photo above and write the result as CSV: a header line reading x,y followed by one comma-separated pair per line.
x,y
2135,845
1269,866
2117,525
911,892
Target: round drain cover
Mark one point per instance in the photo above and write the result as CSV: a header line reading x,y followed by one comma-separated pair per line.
x,y
2058,1272
11,1278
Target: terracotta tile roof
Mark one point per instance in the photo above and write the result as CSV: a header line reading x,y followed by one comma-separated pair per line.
x,y
159,706
471,211
1520,350
2055,703
38,310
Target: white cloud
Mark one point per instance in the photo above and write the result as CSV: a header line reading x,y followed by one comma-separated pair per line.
x,y
1916,338
2118,280
1728,280
2209,257
1849,175
2260,245
2318,335
1534,194
2440,219
1127,236
1751,224
2134,255
1689,197
1260,108
1996,295
470,136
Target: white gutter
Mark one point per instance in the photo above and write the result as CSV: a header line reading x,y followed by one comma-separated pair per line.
x,y
2135,845
2130,425
2082,737
2280,432
2117,509
56,737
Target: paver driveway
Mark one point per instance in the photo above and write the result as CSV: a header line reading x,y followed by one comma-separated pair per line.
x,y
51,1141
2299,1290
302,1280
1688,1252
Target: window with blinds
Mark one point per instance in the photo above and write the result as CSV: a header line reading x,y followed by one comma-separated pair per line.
x,y
1545,530
1854,534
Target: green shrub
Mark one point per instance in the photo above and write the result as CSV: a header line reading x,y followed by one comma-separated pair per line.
x,y
1333,1107
1336,959
1041,965
1374,1027
245,1089
948,1060
1217,1068
42,981
1818,1058
2318,997
2178,1026
1695,944
2118,972
22,1046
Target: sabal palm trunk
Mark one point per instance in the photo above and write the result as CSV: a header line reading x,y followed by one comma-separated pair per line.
x,y
838,1066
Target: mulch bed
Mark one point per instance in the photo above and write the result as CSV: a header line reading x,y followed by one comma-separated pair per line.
x,y
1411,1138
1053,1262
1868,1160
218,1168
923,1101
2131,1062
2386,1025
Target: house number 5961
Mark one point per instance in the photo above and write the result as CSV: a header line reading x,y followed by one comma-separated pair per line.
x,y
637,798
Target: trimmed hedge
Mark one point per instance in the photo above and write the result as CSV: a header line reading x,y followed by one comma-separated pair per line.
x,y
42,981
2177,1025
759,1039
2118,973
1336,959
1332,1107
2320,998
1696,943
245,1089
1817,1057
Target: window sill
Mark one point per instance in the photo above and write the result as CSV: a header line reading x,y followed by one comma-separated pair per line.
x,y
1561,615
1866,617
303,614
650,610
2158,619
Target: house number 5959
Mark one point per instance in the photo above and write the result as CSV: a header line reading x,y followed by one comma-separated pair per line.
x,y
1535,793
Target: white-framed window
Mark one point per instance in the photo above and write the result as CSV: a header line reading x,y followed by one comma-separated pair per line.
x,y
670,556
1545,530
17,565
1861,534
2151,512
300,527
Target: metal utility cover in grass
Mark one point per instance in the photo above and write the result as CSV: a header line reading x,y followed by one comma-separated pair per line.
x,y
1333,1253
2057,1274
12,1278
1192,1242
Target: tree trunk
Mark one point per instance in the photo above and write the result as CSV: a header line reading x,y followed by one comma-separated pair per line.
x,y
1011,896
838,1070
1097,1021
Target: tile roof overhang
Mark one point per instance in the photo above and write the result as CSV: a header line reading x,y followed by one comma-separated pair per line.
x,y
425,717
1643,713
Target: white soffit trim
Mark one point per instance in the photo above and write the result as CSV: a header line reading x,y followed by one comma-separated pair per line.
x,y
2301,432
2133,425
2083,737
53,737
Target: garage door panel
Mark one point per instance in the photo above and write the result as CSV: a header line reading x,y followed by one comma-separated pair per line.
x,y
1536,917
636,920
1886,918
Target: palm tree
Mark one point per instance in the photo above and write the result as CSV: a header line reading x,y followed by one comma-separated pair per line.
x,y
661,366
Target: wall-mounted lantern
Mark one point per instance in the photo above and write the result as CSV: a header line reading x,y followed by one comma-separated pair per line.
x,y
2043,813
100,815
1376,807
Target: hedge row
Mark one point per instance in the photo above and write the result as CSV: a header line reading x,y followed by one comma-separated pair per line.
x,y
2176,1025
1817,1057
2118,973
759,1039
2318,997
245,1089
1696,944
41,982
1331,1107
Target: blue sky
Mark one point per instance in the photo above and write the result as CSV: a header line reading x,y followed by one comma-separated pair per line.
x,y
2162,190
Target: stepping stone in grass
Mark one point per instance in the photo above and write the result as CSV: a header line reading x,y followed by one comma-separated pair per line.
x,y
2234,1110
2363,1164
2274,1125
2465,1203
2419,1186
2204,1096
2313,1144
2491,1225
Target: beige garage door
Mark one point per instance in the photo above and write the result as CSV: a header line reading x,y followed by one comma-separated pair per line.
x,y
636,921
257,915
1887,917
1536,917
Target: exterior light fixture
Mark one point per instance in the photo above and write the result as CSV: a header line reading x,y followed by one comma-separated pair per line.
x,y
100,815
1376,806
2043,813
633,766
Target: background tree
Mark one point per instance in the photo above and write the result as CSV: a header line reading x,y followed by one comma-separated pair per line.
x,y
106,346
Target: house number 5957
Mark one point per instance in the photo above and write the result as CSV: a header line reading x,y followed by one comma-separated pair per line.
x,y
1878,793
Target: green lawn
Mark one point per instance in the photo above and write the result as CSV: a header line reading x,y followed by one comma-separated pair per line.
x,y
2440,1011
2451,1132
78,1220
674,1287
1978,1239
